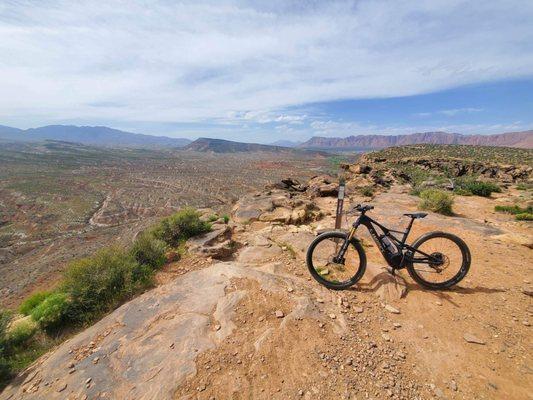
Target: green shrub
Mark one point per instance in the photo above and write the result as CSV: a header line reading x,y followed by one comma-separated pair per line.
x,y
521,186
462,192
437,201
477,188
515,210
524,216
413,175
98,283
416,190
367,191
142,276
213,218
226,218
5,371
180,226
33,301
52,312
5,317
5,367
20,331
147,250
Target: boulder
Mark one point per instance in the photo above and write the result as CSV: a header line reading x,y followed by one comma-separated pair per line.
x,y
323,186
279,214
360,169
280,201
216,244
249,208
299,216
260,240
293,184
331,189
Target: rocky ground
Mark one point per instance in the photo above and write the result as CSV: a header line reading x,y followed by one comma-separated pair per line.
x,y
239,316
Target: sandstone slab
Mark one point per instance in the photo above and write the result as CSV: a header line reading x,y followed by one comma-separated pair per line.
x,y
258,254
148,347
298,242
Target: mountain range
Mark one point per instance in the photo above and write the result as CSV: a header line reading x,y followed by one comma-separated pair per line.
x,y
371,142
90,135
108,137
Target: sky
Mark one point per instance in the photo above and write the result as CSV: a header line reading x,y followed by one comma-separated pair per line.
x,y
268,70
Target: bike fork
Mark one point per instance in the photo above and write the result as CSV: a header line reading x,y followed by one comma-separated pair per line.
x,y
339,259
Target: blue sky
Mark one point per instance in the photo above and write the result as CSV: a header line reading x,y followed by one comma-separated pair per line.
x,y
265,71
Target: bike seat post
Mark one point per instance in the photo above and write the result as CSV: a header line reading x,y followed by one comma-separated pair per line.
x,y
408,229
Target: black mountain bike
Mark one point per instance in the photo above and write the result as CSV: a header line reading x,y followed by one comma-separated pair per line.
x,y
436,260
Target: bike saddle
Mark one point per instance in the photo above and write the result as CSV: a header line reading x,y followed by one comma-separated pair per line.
x,y
363,207
416,215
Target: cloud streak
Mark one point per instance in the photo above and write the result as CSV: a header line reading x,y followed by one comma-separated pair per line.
x,y
235,61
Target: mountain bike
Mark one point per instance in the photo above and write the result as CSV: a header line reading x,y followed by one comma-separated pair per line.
x,y
436,260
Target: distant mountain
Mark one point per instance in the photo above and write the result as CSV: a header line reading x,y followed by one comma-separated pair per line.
x,y
370,142
285,143
90,135
8,133
228,146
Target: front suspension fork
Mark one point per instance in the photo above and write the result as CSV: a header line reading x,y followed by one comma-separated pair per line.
x,y
339,258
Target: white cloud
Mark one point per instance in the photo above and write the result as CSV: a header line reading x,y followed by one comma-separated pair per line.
x,y
227,61
456,111
265,117
451,112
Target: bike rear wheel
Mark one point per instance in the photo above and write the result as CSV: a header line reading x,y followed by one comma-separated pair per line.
x,y
328,272
451,260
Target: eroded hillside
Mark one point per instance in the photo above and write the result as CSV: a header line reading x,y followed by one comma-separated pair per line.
x,y
60,201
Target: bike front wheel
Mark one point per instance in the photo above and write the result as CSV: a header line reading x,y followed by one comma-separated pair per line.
x,y
324,266
447,265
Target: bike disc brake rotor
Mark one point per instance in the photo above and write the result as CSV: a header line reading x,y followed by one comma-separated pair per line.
x,y
439,262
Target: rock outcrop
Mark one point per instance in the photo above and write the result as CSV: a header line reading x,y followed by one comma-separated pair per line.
x,y
275,206
385,172
216,244
149,346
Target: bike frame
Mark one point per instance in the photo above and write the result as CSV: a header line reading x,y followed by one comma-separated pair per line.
x,y
406,250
